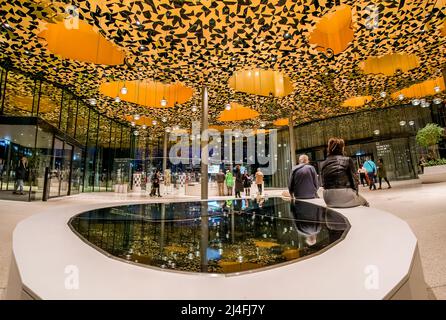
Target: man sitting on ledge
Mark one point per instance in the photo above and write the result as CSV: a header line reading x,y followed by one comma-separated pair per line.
x,y
303,183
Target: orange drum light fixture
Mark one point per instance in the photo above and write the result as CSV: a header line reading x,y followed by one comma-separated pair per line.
x,y
237,113
261,82
356,102
81,44
148,93
422,89
281,122
333,31
389,64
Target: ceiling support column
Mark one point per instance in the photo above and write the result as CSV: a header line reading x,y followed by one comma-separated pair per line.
x,y
204,179
166,137
204,143
292,142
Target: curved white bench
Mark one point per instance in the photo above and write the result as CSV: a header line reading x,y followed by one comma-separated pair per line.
x,y
378,259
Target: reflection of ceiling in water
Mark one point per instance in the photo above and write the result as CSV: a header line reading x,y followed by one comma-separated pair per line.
x,y
206,42
253,238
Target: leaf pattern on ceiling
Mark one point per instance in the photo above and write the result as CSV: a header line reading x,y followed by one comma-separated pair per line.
x,y
205,42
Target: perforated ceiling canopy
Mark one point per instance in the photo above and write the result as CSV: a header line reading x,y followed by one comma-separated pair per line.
x,y
192,43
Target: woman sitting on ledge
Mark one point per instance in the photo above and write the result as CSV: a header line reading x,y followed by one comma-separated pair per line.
x,y
339,178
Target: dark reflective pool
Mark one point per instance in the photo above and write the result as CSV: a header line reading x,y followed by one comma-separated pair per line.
x,y
215,236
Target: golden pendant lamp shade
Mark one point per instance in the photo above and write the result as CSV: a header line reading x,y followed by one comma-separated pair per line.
x,y
81,44
355,102
388,64
237,113
261,82
334,30
422,89
147,93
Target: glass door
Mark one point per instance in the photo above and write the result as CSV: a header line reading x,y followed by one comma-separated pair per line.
x,y
76,171
57,167
66,168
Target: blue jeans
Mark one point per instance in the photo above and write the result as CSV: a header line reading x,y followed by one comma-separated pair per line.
x,y
18,185
371,176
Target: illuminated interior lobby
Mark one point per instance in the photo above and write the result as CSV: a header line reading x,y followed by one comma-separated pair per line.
x,y
106,99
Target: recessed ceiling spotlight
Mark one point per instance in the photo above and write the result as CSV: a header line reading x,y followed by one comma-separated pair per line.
x,y
138,23
376,132
194,108
416,102
142,48
164,119
144,127
163,102
92,101
228,106
273,58
117,99
383,94
411,123
136,117
168,129
437,89
124,90
402,123
437,100
136,133
154,122
401,96
132,123
263,124
287,35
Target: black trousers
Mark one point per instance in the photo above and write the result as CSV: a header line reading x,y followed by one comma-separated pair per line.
x,y
371,176
385,179
259,186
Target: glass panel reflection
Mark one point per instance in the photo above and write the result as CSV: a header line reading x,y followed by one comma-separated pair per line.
x,y
232,235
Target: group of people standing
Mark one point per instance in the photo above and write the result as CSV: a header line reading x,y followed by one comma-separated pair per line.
x,y
339,178
240,182
369,172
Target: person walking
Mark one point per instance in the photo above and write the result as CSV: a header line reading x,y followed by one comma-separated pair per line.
x,y
220,183
382,173
229,179
370,167
238,182
303,183
1,169
247,183
21,172
339,178
421,164
259,180
363,175
156,184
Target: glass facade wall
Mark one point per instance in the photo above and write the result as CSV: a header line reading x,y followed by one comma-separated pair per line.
x,y
388,134
58,134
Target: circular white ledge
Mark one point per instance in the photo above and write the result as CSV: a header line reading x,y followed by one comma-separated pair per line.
x,y
378,259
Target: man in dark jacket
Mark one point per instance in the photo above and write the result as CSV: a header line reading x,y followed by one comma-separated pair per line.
x,y
303,183
21,172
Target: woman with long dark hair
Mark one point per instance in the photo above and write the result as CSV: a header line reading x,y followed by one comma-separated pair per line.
x,y
339,178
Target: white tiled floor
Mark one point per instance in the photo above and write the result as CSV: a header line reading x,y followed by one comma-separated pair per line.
x,y
422,206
